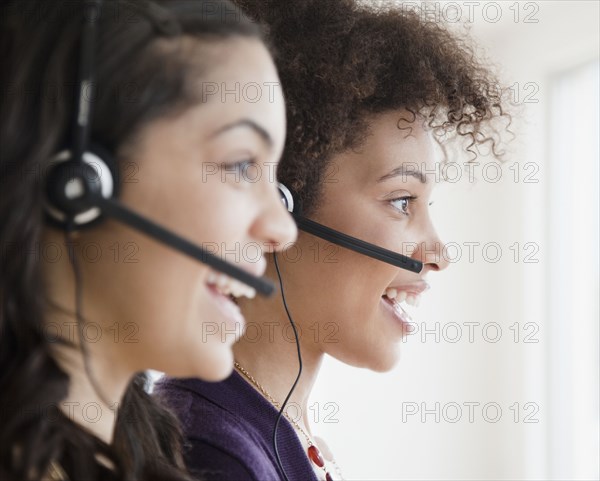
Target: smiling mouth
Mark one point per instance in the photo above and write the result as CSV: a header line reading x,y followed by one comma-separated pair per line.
x,y
399,309
400,297
229,287
225,291
400,300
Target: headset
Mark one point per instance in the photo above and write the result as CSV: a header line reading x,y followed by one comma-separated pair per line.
x,y
82,185
344,240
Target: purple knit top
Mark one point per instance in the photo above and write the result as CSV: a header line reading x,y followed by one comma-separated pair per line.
x,y
228,427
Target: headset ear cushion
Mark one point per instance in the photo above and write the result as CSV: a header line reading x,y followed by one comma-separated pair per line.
x,y
287,198
104,166
112,177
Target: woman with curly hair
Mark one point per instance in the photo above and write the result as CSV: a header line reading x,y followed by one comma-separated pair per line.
x,y
84,312
375,98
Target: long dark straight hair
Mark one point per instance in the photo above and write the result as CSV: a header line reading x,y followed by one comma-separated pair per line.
x,y
142,73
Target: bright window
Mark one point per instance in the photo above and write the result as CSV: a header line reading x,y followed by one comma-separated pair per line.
x,y
573,200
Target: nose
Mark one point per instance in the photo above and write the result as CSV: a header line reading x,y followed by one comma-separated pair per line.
x,y
432,252
274,227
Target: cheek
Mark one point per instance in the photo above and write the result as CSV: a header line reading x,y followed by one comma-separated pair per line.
x,y
344,286
222,214
181,333
365,336
155,309
338,304
165,285
364,280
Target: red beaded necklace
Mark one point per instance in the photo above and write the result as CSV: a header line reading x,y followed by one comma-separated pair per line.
x,y
315,456
313,452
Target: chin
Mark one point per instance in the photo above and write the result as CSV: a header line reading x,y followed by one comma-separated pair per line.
x,y
219,367
215,367
375,358
385,365
218,376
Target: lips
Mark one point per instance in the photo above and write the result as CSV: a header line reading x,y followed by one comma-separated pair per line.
x,y
398,309
398,314
225,290
397,296
230,311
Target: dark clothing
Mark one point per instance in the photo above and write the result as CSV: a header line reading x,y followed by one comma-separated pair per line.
x,y
229,431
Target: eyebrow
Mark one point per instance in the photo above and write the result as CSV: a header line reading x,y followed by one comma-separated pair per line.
x,y
261,131
404,171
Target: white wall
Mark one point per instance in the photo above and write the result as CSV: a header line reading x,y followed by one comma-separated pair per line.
x,y
371,441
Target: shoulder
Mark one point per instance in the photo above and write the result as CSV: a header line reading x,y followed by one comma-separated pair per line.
x,y
210,462
200,415
219,442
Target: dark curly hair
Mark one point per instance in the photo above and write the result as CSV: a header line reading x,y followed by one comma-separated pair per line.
x,y
340,61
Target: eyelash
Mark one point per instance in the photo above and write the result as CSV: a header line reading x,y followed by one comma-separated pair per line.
x,y
409,198
239,167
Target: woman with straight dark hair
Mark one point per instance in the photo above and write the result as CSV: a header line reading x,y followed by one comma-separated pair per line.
x,y
85,312
375,94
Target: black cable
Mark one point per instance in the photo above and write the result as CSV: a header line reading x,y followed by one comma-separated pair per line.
x,y
299,368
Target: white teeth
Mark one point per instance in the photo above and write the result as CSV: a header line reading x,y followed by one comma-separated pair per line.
x,y
234,288
222,280
401,297
228,286
411,301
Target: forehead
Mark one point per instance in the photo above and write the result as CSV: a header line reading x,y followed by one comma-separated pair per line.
x,y
392,141
393,137
239,71
230,81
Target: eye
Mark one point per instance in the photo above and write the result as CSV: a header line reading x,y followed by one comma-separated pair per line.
x,y
401,204
244,170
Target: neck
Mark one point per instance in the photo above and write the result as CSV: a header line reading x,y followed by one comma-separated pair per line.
x,y
90,402
95,390
268,352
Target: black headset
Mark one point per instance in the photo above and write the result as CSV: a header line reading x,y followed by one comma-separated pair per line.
x,y
82,186
344,240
